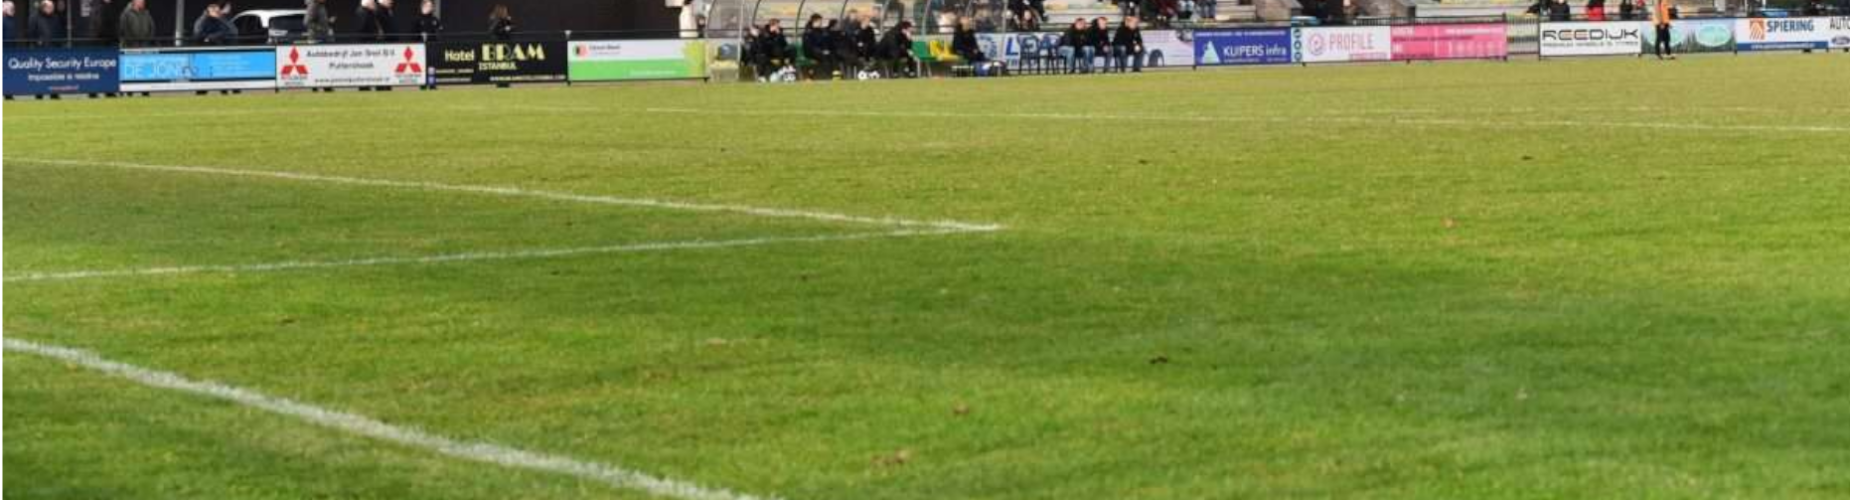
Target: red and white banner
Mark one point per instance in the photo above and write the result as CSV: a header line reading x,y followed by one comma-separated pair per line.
x,y
381,65
1451,41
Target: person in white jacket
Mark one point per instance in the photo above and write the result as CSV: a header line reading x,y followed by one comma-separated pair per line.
x,y
690,19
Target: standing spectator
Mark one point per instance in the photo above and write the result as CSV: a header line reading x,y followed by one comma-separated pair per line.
x,y
964,42
387,17
1596,10
690,19
6,30
213,29
1662,20
104,19
501,23
136,26
429,25
1209,10
43,28
1129,44
320,25
366,21
1626,13
1099,36
1558,11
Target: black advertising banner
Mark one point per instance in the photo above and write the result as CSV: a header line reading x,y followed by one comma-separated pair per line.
x,y
497,62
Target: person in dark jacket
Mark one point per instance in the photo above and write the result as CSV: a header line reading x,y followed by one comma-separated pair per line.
x,y
6,30
429,25
501,23
818,48
896,51
213,29
387,17
105,19
1127,46
368,22
1100,38
43,28
847,53
1073,46
773,48
1560,12
867,38
964,43
136,25
1626,12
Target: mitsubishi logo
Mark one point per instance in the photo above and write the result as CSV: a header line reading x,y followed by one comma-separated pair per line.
x,y
410,64
295,65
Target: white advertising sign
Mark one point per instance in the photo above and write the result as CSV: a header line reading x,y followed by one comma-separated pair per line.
x,y
1592,39
1840,32
1785,33
1369,43
382,65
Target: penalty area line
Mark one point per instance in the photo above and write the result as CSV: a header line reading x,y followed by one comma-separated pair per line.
x,y
546,253
351,423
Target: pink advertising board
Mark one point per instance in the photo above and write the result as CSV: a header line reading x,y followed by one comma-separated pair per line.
x,y
1451,41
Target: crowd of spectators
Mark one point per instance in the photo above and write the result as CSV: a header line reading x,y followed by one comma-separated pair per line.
x,y
129,24
854,47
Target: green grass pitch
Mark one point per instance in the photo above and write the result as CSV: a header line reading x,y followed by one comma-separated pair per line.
x,y
1611,278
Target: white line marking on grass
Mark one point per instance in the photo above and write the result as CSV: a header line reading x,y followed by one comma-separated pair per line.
x,y
365,426
465,257
1544,123
529,193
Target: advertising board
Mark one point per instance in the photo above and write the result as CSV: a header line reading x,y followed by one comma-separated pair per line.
x,y
1347,44
486,62
155,70
375,65
1695,36
1785,33
1451,41
1238,47
616,60
61,71
1612,38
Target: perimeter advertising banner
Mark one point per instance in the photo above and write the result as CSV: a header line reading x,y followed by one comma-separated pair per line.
x,y
497,62
61,71
1613,38
1369,43
1240,47
1011,47
616,60
1840,32
1789,33
1168,48
380,65
156,70
1696,35
1451,41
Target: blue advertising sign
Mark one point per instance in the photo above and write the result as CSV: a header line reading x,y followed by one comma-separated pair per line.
x,y
198,69
1248,46
61,71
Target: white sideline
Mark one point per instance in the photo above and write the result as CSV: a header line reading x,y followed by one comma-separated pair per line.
x,y
1545,123
365,426
464,257
529,193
